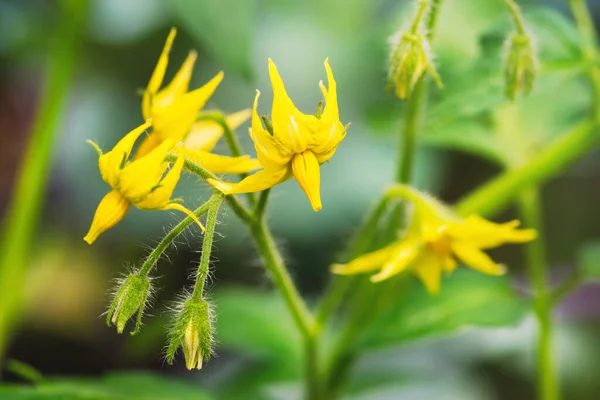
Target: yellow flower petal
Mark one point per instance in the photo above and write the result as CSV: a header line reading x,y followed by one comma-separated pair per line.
x,y
476,259
110,211
158,75
308,174
219,164
111,163
160,192
257,182
287,118
141,176
178,85
331,111
148,144
403,256
429,270
178,207
269,153
485,234
175,120
204,135
365,263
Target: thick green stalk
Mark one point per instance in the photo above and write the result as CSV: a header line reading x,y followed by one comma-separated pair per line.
x,y
166,241
207,241
24,210
530,208
497,193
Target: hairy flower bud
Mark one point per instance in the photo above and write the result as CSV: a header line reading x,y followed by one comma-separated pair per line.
x,y
192,331
520,64
130,298
410,58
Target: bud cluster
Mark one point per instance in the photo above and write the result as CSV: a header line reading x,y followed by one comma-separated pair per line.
x,y
520,64
130,298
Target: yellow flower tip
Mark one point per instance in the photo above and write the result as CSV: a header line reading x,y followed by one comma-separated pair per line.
x,y
223,187
110,211
173,205
339,269
170,39
305,167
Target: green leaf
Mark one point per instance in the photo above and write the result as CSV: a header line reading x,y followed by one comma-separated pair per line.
x,y
130,386
223,26
589,260
466,299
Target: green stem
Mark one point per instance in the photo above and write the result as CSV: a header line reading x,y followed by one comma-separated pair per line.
x,y
517,16
24,210
566,288
421,12
238,208
158,251
211,222
530,207
304,320
259,210
409,132
497,193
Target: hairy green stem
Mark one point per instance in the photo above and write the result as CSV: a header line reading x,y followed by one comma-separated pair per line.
x,y
530,208
166,241
259,210
207,241
23,213
517,16
490,198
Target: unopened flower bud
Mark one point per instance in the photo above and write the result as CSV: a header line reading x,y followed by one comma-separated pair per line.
x,y
520,64
410,58
130,298
192,331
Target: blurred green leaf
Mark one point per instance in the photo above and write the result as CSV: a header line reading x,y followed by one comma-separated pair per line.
x,y
130,386
467,299
589,260
223,26
257,323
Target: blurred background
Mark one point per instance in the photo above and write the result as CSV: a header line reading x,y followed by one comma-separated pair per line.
x,y
62,331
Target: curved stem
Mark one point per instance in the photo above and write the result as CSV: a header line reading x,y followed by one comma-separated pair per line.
x,y
490,198
166,241
530,208
517,16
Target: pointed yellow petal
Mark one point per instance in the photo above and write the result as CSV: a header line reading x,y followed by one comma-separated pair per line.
x,y
141,176
158,75
269,153
287,119
404,254
331,111
476,259
111,163
110,211
429,270
485,234
218,164
204,135
175,120
160,192
257,182
365,263
179,207
179,84
308,174
449,264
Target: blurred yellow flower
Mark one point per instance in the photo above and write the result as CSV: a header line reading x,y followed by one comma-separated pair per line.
x,y
174,110
435,239
296,145
142,182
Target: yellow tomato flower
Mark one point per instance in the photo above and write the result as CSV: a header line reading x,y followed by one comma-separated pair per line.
x,y
297,145
435,240
174,110
142,182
